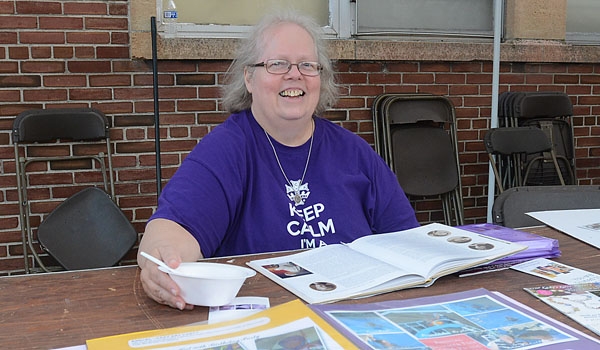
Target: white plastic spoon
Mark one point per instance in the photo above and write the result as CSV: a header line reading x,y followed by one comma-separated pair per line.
x,y
157,262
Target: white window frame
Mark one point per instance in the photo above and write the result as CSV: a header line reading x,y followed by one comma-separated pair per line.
x,y
374,28
342,25
339,26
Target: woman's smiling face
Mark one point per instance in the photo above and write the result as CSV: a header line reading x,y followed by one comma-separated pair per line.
x,y
290,96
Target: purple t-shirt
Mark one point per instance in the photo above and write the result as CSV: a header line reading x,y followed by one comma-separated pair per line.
x,y
230,192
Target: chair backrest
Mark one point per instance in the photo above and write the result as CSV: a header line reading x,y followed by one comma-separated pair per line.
x,y
417,138
88,229
424,160
44,125
551,112
512,144
508,141
511,206
543,104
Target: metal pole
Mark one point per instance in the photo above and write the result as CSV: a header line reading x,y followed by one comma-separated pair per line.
x,y
495,88
156,107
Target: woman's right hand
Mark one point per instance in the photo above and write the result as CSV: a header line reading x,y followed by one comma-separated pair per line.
x,y
171,243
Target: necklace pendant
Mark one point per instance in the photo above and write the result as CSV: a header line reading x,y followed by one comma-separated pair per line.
x,y
297,198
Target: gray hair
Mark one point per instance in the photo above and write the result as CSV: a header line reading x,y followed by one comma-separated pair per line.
x,y
235,95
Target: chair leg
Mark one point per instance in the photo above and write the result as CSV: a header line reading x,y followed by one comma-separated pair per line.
x,y
446,206
496,172
558,171
458,207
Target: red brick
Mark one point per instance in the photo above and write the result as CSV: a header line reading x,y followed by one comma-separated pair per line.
x,y
196,105
70,23
40,52
18,22
85,8
18,52
88,37
42,67
112,52
7,7
38,7
10,96
8,38
90,94
45,95
110,80
110,23
133,93
65,81
42,37
89,66
20,81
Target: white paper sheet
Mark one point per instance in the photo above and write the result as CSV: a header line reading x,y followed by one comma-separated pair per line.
x,y
583,224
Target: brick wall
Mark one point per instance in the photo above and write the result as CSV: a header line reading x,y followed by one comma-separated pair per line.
x,y
76,53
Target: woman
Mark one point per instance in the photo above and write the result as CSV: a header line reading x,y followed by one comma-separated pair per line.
x,y
273,176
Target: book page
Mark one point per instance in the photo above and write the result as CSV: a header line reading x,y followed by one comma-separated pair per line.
x,y
331,272
382,262
434,249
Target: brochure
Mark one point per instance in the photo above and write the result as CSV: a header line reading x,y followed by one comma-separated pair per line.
x,y
580,302
381,263
475,319
556,271
287,326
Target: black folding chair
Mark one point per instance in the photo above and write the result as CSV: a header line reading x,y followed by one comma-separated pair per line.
x,y
507,150
511,206
87,230
417,135
551,112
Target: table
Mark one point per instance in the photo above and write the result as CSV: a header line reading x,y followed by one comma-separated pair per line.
x,y
52,310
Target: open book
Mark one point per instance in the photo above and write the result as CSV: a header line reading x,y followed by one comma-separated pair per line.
x,y
382,263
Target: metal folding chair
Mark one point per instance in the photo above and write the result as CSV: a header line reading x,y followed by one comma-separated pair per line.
x,y
507,150
87,230
417,137
549,111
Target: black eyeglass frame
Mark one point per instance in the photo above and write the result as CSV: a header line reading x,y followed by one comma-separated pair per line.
x,y
290,65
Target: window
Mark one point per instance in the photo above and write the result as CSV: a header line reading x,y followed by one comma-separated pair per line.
x,y
583,26
232,18
425,18
342,18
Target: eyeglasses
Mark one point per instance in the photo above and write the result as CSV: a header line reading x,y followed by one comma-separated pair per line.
x,y
310,69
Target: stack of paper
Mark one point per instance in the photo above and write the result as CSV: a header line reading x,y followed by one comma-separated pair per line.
x,y
537,246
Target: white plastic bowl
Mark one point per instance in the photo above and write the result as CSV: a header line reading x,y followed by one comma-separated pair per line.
x,y
209,284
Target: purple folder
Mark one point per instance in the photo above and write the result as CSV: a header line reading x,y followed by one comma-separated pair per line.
x,y
538,246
